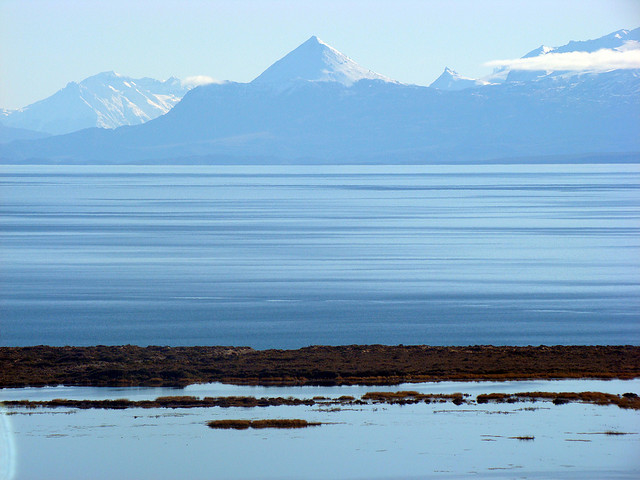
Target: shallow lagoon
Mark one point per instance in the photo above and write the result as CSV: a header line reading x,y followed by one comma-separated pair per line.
x,y
438,440
616,387
288,256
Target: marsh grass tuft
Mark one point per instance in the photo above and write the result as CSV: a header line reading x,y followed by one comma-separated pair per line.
x,y
270,423
411,397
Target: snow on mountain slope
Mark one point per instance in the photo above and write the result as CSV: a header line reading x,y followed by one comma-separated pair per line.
x,y
369,122
315,61
613,40
541,50
318,107
106,100
619,40
451,80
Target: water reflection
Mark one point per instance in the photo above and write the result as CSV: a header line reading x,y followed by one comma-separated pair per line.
x,y
375,441
613,386
7,447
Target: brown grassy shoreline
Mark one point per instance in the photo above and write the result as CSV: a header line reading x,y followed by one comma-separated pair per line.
x,y
625,401
130,365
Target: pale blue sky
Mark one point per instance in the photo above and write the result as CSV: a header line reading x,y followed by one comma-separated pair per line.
x,y
46,43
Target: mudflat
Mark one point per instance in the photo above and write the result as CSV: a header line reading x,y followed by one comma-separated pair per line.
x,y
130,365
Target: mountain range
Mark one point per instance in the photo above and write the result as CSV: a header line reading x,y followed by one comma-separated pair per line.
x,y
318,105
105,100
452,80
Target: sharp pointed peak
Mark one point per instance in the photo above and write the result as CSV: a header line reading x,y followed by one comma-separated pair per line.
x,y
452,80
315,40
314,43
315,61
450,73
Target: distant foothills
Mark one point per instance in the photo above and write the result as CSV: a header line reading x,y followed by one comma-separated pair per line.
x,y
316,105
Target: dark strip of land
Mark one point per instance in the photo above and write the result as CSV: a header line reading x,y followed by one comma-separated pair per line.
x,y
628,400
163,402
270,423
130,365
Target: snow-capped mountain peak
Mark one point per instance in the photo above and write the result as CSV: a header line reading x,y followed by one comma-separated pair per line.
x,y
315,61
541,50
452,80
615,40
106,100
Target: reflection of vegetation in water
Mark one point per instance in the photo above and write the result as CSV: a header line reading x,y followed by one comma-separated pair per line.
x,y
410,397
271,423
164,402
627,400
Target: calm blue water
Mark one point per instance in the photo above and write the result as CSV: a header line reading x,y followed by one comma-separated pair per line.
x,y
291,256
383,442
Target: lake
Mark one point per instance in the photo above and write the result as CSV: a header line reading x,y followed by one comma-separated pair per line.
x,y
288,256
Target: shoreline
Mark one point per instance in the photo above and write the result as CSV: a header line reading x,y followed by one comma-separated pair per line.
x,y
130,365
628,400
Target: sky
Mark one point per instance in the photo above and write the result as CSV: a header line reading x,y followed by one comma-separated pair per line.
x,y
44,44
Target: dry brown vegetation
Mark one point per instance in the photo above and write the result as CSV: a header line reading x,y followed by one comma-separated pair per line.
x,y
130,365
627,400
164,402
410,397
271,423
